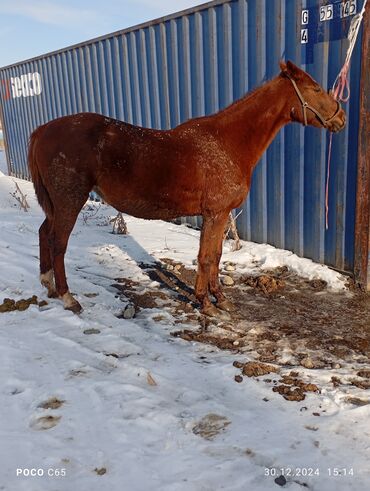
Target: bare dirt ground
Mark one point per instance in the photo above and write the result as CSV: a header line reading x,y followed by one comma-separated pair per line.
x,y
281,321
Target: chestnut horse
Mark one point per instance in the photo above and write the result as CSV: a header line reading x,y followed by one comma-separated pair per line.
x,y
201,167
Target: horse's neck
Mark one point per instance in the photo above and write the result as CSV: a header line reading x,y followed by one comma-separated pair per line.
x,y
249,125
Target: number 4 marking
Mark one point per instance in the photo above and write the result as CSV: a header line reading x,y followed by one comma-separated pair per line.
x,y
304,36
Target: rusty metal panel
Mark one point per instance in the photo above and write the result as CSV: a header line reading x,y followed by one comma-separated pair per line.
x,y
198,61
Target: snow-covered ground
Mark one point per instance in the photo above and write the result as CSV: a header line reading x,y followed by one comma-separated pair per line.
x,y
142,419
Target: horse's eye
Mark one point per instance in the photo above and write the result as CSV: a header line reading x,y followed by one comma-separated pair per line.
x,y
317,89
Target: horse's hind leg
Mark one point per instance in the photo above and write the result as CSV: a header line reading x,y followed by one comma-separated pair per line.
x,y
63,223
46,263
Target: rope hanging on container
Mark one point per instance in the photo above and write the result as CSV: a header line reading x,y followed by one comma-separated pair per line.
x,y
341,91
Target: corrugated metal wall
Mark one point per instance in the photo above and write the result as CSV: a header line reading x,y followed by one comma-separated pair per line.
x,y
194,63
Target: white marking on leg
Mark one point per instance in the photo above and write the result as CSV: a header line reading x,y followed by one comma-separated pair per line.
x,y
47,280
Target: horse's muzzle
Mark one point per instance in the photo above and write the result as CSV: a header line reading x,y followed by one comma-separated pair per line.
x,y
338,122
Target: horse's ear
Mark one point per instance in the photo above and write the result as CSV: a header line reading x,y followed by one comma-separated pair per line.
x,y
294,71
282,65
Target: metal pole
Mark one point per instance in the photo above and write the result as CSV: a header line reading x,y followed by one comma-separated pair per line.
x,y
362,226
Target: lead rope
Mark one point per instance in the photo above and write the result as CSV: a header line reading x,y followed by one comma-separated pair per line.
x,y
341,92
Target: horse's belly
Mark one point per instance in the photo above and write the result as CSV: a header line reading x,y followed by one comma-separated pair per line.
x,y
155,209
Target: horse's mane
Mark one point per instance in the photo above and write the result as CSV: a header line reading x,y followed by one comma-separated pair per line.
x,y
249,95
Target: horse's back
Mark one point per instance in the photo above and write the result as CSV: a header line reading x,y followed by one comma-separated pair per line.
x,y
144,172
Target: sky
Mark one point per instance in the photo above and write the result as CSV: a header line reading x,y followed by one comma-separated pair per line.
x,y
30,28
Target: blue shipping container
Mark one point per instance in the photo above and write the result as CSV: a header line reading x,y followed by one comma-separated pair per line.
x,y
196,62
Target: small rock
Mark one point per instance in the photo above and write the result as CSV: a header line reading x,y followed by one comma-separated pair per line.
x,y
236,343
129,312
229,267
195,262
227,281
177,267
101,471
169,267
238,378
92,331
336,365
281,481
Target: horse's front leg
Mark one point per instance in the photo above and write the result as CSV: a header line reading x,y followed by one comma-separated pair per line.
x,y
214,282
208,259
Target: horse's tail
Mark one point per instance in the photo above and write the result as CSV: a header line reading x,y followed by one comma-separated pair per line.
x,y
41,192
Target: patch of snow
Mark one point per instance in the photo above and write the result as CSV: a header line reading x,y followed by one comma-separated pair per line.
x,y
112,416
268,257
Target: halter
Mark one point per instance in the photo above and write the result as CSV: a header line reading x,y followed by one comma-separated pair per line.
x,y
306,106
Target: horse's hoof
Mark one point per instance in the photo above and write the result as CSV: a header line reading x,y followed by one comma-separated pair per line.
x,y
213,311
226,305
75,308
71,303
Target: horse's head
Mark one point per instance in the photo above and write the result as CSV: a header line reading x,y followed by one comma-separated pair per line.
x,y
311,104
